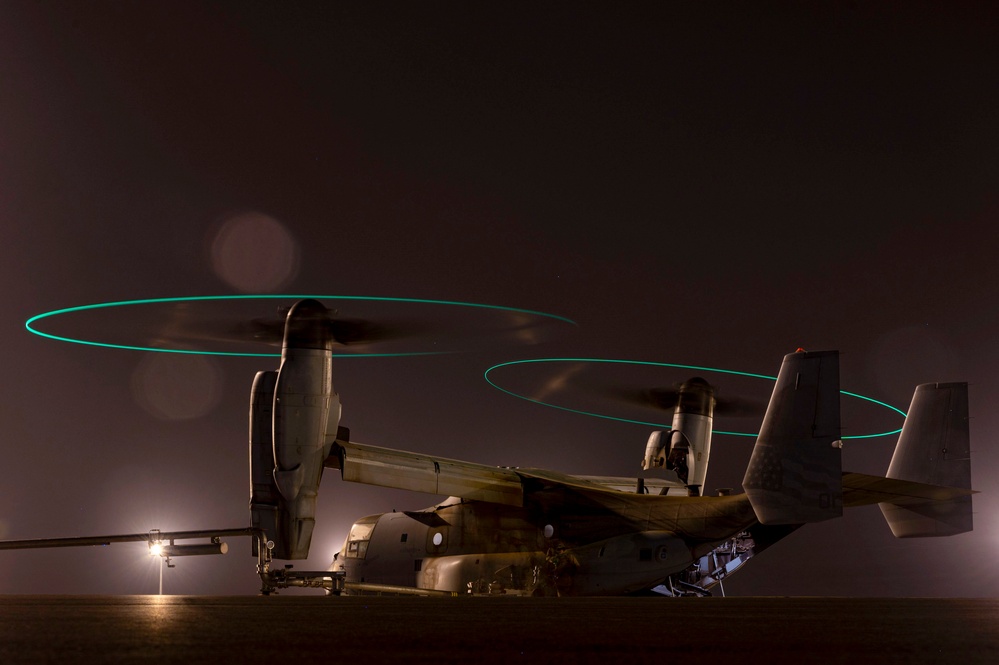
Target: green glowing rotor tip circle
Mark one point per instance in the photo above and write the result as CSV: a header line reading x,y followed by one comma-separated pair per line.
x,y
31,324
698,368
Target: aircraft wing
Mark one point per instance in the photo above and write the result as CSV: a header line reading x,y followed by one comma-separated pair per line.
x,y
401,469
627,483
386,467
861,490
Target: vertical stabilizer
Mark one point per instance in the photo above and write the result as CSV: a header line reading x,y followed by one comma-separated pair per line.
x,y
795,473
933,448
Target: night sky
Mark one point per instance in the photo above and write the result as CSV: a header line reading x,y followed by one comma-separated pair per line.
x,y
713,184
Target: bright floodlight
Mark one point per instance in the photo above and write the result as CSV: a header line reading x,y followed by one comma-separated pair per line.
x,y
155,549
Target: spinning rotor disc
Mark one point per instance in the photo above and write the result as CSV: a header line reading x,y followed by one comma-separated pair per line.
x,y
239,325
593,387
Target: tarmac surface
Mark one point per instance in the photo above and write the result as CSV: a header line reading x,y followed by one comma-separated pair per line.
x,y
308,629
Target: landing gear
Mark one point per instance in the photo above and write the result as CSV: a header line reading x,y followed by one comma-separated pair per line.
x,y
272,580
710,569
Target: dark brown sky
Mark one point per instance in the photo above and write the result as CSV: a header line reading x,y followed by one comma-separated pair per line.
x,y
709,186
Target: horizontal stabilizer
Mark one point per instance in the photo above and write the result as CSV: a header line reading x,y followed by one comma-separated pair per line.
x,y
933,449
794,475
929,518
862,490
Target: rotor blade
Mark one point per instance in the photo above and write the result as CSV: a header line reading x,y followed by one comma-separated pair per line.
x,y
204,326
662,399
271,331
666,398
262,330
361,331
739,407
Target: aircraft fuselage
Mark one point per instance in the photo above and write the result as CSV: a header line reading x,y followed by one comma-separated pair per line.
x,y
466,546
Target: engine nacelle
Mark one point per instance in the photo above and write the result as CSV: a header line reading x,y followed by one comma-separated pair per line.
x,y
685,449
294,415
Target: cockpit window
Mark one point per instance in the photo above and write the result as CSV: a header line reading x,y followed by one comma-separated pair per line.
x,y
357,541
356,549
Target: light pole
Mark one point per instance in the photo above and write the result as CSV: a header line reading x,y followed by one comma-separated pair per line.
x,y
156,548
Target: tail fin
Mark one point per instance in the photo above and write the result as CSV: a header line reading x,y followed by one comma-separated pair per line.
x,y
795,473
934,449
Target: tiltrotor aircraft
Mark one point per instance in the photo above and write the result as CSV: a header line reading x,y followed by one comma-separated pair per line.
x,y
510,530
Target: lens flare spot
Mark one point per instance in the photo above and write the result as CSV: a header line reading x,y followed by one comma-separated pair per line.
x,y
254,253
177,387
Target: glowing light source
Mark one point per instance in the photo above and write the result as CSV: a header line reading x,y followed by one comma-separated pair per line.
x,y
156,549
32,323
697,368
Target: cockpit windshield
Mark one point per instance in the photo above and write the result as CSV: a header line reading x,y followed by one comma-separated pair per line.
x,y
357,541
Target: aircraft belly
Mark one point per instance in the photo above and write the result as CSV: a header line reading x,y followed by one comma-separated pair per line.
x,y
624,564
505,572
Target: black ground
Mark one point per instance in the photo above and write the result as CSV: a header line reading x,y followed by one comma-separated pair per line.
x,y
305,629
